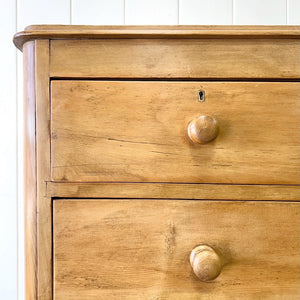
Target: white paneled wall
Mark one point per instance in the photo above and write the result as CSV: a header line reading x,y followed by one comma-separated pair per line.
x,y
155,12
293,12
255,12
203,12
42,12
8,153
95,12
16,14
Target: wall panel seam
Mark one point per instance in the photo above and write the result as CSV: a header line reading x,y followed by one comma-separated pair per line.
x,y
178,3
17,154
233,12
124,12
17,157
71,12
287,12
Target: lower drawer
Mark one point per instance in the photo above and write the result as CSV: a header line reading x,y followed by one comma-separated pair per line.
x,y
140,249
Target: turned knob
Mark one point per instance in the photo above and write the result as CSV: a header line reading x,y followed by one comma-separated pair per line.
x,y
205,262
203,129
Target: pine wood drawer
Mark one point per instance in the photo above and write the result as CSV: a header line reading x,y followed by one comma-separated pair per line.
x,y
139,249
136,131
176,58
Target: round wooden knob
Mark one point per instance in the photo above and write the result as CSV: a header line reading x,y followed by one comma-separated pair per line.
x,y
203,129
205,262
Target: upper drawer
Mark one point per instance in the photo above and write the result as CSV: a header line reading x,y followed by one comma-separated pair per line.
x,y
176,58
137,132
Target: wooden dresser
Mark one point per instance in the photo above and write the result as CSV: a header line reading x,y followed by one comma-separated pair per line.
x,y
162,162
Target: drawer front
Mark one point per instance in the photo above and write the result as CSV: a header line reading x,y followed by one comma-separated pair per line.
x,y
176,58
137,132
140,249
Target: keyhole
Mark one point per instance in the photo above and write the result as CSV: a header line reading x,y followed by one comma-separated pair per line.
x,y
201,96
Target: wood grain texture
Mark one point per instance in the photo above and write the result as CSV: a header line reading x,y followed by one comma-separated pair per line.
x,y
176,58
96,32
174,191
44,204
30,197
136,132
133,249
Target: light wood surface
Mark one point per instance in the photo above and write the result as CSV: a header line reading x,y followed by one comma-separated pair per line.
x,y
133,249
136,131
203,129
30,197
38,207
174,191
176,58
44,203
96,32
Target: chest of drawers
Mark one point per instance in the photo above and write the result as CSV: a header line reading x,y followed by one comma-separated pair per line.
x,y
162,162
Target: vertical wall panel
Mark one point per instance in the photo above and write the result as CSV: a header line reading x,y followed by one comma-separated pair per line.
x,y
20,178
43,12
98,12
259,12
205,12
8,169
293,12
154,12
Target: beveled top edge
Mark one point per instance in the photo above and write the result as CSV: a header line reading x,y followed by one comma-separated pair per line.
x,y
163,31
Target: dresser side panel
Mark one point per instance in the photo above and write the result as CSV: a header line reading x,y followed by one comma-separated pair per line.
x,y
44,210
30,170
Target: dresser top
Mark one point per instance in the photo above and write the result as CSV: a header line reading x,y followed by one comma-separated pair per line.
x,y
171,31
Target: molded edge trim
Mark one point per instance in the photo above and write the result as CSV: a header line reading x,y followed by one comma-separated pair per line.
x,y
34,32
